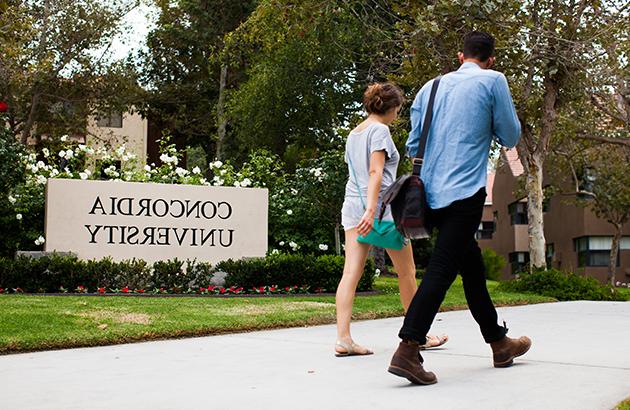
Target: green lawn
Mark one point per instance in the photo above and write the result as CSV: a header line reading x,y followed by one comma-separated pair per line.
x,y
47,322
624,405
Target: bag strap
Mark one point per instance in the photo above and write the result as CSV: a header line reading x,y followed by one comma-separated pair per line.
x,y
426,125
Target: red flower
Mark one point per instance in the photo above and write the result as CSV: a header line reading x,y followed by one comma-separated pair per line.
x,y
1,290
287,288
222,290
211,288
140,290
101,290
202,290
125,289
4,107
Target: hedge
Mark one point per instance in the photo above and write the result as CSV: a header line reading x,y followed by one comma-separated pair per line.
x,y
56,273
561,285
320,273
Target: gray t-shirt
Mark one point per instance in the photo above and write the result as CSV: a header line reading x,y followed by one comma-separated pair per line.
x,y
359,147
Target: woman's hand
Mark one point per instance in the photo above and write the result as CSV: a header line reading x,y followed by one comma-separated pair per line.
x,y
366,223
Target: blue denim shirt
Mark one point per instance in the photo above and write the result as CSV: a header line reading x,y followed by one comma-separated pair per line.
x,y
472,106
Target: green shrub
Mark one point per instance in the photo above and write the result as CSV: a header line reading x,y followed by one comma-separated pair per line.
x,y
561,285
54,273
494,264
318,272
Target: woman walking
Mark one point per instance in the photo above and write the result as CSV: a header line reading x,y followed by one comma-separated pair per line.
x,y
372,160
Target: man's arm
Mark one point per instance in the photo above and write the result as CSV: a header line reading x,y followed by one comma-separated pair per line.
x,y
505,124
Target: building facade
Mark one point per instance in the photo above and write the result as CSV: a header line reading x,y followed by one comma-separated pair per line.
x,y
576,239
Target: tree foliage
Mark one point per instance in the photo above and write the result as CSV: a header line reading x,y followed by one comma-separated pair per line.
x,y
55,68
180,69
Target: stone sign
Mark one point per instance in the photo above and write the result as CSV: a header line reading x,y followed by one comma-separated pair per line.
x,y
126,220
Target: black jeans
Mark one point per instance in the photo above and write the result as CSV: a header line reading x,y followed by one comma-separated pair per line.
x,y
456,251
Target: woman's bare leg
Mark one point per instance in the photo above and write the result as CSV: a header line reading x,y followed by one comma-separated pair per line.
x,y
406,271
356,255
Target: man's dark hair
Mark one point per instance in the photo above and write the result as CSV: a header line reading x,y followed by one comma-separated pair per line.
x,y
478,45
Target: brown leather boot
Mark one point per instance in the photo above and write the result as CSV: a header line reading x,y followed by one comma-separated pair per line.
x,y
505,350
407,363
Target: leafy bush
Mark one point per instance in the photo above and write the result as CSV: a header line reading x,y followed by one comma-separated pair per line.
x,y
54,273
561,285
318,272
494,264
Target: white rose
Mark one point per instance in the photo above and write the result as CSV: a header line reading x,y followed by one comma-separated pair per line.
x,y
293,245
82,147
237,184
46,152
323,247
181,172
377,272
246,182
12,199
62,154
281,243
40,164
289,212
165,158
275,252
120,150
54,173
88,172
69,153
196,170
83,175
147,168
41,179
34,169
217,164
64,138
40,241
18,217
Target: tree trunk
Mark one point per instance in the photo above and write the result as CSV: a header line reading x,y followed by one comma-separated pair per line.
x,y
221,119
535,226
614,251
337,239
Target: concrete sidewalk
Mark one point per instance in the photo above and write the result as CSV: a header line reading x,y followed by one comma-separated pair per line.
x,y
580,359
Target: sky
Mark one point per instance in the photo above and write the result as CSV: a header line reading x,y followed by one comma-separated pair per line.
x,y
140,21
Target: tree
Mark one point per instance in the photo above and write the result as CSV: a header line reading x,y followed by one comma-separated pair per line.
x,y
54,64
307,64
560,39
611,189
187,82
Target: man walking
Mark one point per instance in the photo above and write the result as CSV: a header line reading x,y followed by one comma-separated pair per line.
x,y
472,106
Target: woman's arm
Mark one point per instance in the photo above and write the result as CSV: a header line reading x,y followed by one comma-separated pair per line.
x,y
377,164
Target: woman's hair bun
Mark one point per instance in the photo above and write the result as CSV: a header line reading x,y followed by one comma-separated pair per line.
x,y
379,98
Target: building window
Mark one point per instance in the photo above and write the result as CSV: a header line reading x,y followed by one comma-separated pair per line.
x,y
549,255
519,262
486,229
518,213
594,250
113,119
